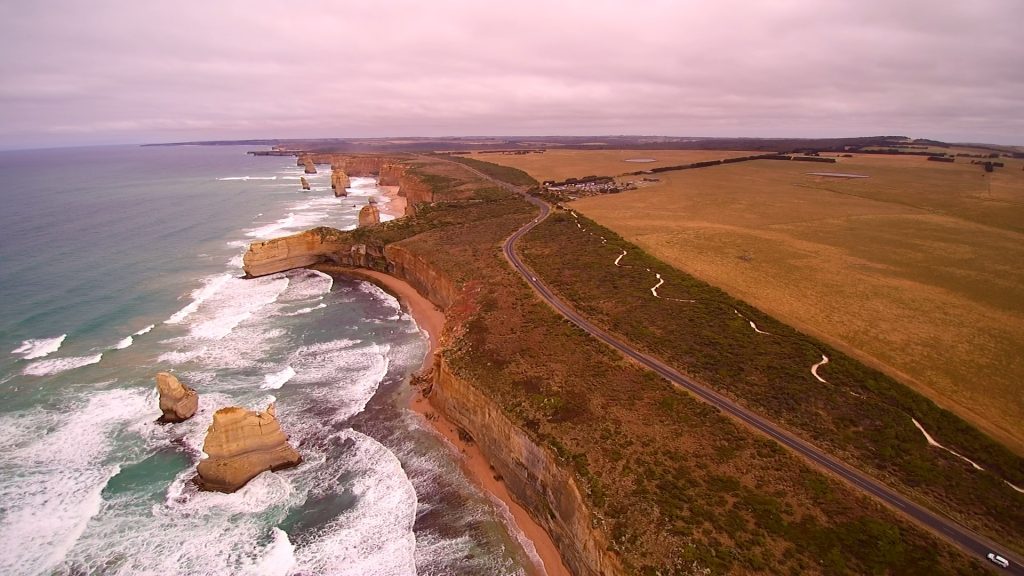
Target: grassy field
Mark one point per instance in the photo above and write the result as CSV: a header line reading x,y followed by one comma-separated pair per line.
x,y
561,164
917,270
678,487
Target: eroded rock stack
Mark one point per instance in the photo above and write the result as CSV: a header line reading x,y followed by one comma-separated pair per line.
x,y
369,214
305,183
177,401
339,182
241,444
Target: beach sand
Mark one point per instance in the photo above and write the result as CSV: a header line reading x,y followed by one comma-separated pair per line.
x,y
431,320
395,206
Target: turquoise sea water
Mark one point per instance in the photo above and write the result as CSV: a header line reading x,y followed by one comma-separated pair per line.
x,y
118,262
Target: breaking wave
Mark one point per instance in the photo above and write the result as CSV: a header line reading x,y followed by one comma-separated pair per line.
x,y
40,347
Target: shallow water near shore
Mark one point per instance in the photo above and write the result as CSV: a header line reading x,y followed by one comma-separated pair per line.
x,y
122,261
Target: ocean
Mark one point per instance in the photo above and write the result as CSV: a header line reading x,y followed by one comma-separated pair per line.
x,y
119,262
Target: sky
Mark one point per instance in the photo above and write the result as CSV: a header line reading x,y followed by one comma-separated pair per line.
x,y
109,72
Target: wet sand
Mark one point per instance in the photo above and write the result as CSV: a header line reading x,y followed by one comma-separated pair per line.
x,y
431,320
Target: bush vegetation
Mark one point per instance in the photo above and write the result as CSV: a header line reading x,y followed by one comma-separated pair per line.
x,y
677,487
860,415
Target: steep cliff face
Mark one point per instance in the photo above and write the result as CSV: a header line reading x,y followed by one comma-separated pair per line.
x,y
242,444
391,174
363,165
285,253
369,215
532,473
177,401
416,191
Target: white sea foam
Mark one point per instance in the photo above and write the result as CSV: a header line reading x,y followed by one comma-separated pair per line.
x,y
53,480
245,178
308,309
375,536
305,285
236,300
124,343
144,330
342,372
278,379
387,299
302,216
58,365
210,287
279,558
39,347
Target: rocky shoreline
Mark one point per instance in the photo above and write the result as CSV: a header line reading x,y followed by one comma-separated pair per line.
x,y
531,475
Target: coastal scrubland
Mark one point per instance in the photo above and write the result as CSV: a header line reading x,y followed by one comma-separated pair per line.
x,y
676,486
558,165
917,270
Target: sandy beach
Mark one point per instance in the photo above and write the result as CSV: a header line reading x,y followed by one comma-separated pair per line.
x,y
395,206
431,320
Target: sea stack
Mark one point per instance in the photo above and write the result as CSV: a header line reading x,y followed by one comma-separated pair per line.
x,y
241,444
177,401
369,214
310,167
339,182
305,183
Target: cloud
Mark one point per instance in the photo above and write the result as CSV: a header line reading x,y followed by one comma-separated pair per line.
x,y
105,71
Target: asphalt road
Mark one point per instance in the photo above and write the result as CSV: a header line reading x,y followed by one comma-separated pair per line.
x,y
972,543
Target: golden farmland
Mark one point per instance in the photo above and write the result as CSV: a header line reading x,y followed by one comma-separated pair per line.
x,y
918,270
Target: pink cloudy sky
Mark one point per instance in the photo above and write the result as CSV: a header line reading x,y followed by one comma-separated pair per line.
x,y
78,72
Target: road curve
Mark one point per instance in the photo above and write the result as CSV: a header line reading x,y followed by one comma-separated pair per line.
x,y
972,543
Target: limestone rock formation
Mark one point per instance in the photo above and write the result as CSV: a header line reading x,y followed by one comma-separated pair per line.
x,y
369,214
310,167
364,165
177,401
304,182
390,174
241,444
287,252
339,182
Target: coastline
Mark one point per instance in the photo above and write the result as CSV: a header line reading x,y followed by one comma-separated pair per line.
x,y
431,319
396,203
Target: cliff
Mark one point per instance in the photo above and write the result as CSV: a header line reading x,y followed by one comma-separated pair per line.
x,y
532,473
339,182
415,191
177,401
369,215
242,444
304,182
295,251
363,165
390,174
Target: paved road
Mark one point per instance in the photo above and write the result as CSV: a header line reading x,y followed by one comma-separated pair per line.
x,y
972,543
